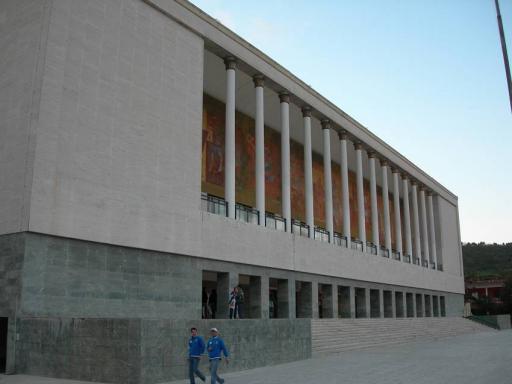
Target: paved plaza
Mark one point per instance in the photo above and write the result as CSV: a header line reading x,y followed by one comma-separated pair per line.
x,y
483,358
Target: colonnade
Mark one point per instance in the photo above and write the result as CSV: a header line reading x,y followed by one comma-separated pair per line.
x,y
419,228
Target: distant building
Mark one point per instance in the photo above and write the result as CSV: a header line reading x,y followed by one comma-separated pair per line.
x,y
491,288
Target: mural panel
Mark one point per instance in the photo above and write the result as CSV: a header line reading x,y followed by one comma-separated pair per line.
x,y
212,177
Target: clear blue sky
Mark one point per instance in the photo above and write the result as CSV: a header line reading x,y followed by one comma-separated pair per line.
x,y
427,76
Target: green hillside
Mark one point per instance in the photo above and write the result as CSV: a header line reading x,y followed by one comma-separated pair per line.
x,y
487,259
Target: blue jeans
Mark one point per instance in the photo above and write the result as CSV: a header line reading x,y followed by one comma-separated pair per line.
x,y
214,364
193,369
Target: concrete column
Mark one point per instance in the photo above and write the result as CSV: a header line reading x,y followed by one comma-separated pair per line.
x,y
314,300
345,200
285,160
368,303
373,200
393,303
398,219
326,134
260,148
385,204
308,171
352,296
292,299
424,226
264,297
229,157
335,309
432,228
360,193
407,217
381,303
416,220
226,281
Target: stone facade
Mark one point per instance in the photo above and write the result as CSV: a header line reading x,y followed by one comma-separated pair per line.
x,y
133,351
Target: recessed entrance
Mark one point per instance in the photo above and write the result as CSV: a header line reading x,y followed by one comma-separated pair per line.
x,y
303,299
388,303
3,343
435,305
325,301
419,305
374,303
442,304
344,302
427,306
213,283
409,299
278,299
399,304
249,305
360,302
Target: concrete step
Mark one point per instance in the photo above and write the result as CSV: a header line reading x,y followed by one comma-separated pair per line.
x,y
338,335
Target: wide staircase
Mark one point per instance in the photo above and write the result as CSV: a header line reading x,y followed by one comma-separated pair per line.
x,y
338,335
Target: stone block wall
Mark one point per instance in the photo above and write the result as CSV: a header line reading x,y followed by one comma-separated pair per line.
x,y
73,278
149,351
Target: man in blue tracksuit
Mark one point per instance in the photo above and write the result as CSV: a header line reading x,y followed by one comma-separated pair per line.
x,y
216,348
195,350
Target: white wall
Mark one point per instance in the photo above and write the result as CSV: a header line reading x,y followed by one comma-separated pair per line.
x,y
22,35
227,239
117,158
449,237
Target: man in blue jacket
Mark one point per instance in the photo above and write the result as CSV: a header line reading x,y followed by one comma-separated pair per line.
x,y
195,350
216,348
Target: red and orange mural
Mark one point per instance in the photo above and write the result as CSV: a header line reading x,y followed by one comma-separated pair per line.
x,y
212,176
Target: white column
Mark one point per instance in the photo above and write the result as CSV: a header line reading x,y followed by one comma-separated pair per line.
x,y
260,148
360,193
229,157
407,218
432,227
373,200
308,172
326,133
385,205
416,220
424,227
345,200
398,219
285,160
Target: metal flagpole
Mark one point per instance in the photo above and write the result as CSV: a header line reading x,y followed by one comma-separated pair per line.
x,y
504,50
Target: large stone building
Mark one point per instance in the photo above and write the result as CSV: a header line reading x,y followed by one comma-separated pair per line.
x,y
149,156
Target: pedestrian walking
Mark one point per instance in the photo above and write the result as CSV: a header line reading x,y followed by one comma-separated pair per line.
x,y
195,350
216,348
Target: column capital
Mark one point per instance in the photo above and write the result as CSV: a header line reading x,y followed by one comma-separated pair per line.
x,y
343,135
422,188
414,182
306,111
372,154
358,145
230,62
405,176
395,170
284,97
259,80
326,123
384,163
429,192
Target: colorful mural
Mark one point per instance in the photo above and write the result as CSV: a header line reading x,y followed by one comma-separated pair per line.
x,y
212,177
